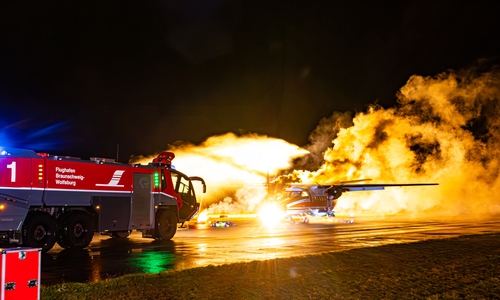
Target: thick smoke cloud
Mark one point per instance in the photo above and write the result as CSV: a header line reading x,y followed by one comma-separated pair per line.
x,y
246,199
444,129
322,138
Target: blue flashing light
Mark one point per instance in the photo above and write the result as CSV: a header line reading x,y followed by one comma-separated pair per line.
x,y
25,135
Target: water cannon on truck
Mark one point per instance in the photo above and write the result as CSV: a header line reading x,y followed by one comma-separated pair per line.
x,y
46,199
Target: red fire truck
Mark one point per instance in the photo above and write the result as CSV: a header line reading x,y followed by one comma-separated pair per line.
x,y
46,199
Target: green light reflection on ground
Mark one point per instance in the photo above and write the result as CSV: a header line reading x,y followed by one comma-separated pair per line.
x,y
153,261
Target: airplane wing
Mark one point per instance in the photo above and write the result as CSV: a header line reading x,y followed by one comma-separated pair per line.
x,y
305,198
371,186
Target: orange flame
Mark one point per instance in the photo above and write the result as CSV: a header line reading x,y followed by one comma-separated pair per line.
x,y
243,163
445,129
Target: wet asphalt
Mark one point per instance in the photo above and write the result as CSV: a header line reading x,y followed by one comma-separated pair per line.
x,y
244,240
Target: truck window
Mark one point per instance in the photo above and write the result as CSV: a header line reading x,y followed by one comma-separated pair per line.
x,y
175,178
184,189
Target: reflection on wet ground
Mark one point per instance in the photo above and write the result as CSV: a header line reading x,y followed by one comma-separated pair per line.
x,y
202,245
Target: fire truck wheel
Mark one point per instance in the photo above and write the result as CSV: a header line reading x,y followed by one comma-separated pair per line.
x,y
39,231
166,225
75,230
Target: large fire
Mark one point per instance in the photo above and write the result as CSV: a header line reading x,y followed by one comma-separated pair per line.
x,y
236,169
444,129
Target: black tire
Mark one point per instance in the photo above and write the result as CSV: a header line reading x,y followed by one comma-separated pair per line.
x,y
39,231
120,234
76,230
166,225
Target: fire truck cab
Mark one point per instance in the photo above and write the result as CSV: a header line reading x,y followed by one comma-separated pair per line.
x,y
47,199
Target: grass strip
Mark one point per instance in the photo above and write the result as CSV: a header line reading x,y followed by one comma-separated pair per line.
x,y
467,267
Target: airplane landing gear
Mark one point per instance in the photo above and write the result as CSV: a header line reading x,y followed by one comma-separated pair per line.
x,y
298,219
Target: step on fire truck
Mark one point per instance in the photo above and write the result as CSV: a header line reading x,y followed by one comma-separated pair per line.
x,y
46,199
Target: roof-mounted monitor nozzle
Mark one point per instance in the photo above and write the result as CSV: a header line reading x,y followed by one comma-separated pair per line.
x,y
164,158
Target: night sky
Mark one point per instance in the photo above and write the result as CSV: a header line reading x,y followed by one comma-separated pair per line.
x,y
79,78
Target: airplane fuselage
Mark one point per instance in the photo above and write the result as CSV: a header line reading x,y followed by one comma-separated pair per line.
x,y
306,199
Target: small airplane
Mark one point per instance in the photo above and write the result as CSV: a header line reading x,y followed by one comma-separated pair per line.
x,y
320,199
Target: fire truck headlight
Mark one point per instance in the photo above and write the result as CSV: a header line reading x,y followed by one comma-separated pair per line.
x,y
2,206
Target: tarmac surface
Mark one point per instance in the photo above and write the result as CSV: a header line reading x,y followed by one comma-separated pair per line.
x,y
245,239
